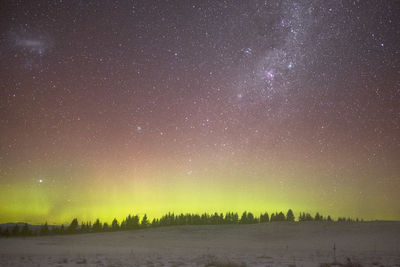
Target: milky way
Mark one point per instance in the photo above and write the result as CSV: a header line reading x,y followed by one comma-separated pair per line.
x,y
112,107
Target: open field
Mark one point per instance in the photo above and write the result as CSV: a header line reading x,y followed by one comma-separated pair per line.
x,y
271,244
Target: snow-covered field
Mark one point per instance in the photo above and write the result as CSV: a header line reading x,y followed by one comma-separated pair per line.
x,y
271,244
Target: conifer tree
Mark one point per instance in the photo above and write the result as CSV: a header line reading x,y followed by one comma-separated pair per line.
x,y
73,227
290,216
243,219
308,217
15,230
6,233
272,219
123,225
264,218
145,221
83,228
44,229
235,218
154,223
25,230
97,226
250,218
115,225
135,222
281,216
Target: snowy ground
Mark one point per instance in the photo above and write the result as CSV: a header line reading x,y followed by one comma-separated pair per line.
x,y
272,244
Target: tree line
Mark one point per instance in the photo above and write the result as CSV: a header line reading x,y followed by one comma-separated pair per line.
x,y
132,222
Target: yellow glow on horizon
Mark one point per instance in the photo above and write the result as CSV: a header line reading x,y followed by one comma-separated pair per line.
x,y
163,190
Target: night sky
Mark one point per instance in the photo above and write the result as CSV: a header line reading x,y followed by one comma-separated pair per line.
x,y
116,107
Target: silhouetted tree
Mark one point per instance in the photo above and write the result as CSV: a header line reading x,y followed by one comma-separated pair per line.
x,y
272,218
290,216
317,217
123,225
155,222
170,219
15,230
264,218
205,218
89,227
106,227
83,228
251,218
216,219
235,218
25,230
115,225
227,218
57,230
128,222
308,217
145,221
277,217
6,233
221,218
73,227
243,219
181,220
132,222
44,229
231,218
97,226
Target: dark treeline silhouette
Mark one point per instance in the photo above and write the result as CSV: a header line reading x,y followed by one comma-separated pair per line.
x,y
132,222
